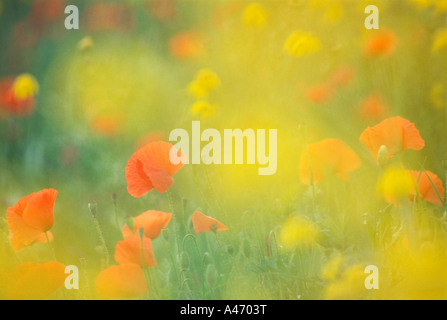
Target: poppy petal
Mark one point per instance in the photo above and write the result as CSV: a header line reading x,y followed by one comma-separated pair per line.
x,y
204,223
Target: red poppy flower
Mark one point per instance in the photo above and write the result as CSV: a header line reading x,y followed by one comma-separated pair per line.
x,y
203,223
425,187
332,154
121,282
397,134
31,218
149,168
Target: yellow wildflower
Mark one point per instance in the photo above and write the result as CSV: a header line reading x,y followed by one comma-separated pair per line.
x,y
205,81
351,286
395,184
301,43
437,95
203,109
255,15
25,86
332,268
297,231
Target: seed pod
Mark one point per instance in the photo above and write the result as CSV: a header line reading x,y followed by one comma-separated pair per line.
x,y
382,156
92,206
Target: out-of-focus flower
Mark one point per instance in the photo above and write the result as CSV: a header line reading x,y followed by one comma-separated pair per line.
x,y
395,185
35,281
301,43
349,287
255,15
421,272
205,81
203,108
320,93
333,10
25,86
372,108
103,16
121,282
425,188
438,95
440,41
396,133
163,10
85,43
129,251
331,154
31,218
186,45
342,77
204,223
17,95
153,222
44,13
105,124
332,268
149,168
297,231
382,44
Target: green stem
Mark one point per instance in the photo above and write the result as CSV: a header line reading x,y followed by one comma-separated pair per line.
x,y
102,239
50,246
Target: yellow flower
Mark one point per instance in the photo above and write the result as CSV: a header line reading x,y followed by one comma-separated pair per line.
x,y
301,43
440,6
351,286
25,86
255,15
440,41
423,4
395,184
332,268
297,231
205,81
437,95
203,109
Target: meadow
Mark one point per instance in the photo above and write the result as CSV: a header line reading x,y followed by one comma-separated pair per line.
x,y
85,175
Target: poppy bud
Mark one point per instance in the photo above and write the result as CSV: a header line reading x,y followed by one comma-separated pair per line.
x,y
230,250
183,260
382,156
92,207
141,232
211,275
114,196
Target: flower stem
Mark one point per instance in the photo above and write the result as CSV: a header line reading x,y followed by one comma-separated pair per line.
x,y
50,246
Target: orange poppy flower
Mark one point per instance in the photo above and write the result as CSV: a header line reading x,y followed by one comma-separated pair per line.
x,y
121,282
396,133
186,45
425,188
151,221
320,93
329,153
150,168
129,251
10,104
342,77
31,218
382,44
203,223
35,280
372,108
